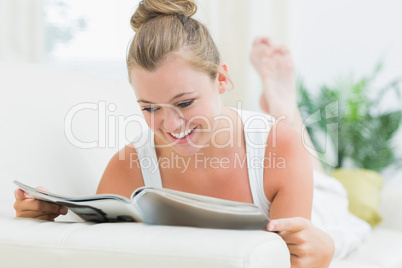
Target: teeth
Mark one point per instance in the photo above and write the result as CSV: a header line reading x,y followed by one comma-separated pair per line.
x,y
181,135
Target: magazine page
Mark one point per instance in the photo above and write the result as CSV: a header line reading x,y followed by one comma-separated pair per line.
x,y
202,201
169,207
104,210
52,197
96,208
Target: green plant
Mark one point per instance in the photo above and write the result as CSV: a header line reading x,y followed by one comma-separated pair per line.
x,y
365,132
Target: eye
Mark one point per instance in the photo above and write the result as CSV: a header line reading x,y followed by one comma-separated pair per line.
x,y
150,109
185,104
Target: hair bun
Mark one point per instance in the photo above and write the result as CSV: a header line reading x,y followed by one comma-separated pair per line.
x,y
149,9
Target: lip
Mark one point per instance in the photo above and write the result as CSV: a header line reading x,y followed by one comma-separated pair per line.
x,y
183,140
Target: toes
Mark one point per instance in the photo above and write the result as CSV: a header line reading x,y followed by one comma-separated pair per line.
x,y
257,40
284,50
282,54
279,50
266,40
261,52
269,43
262,40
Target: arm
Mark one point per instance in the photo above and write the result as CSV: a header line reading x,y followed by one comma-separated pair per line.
x,y
289,186
122,175
291,192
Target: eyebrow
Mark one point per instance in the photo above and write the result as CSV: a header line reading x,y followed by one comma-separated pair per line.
x,y
171,100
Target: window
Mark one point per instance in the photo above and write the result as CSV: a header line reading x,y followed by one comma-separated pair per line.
x,y
88,35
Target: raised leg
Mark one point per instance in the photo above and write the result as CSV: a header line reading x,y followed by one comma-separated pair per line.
x,y
274,65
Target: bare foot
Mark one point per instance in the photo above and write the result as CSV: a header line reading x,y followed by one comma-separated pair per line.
x,y
274,64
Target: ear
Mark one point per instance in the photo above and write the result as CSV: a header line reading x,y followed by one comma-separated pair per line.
x,y
223,78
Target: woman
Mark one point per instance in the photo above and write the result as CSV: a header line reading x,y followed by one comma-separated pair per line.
x,y
177,75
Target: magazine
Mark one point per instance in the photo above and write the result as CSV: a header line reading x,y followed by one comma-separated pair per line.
x,y
159,206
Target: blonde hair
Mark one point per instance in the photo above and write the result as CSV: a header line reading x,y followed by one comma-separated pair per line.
x,y
165,28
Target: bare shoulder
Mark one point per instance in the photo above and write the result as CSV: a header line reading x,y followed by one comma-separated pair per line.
x,y
123,173
287,161
285,141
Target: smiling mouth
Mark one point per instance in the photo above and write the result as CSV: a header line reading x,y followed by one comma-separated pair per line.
x,y
182,135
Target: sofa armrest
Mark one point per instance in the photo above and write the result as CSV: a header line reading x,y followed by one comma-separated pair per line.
x,y
391,208
56,244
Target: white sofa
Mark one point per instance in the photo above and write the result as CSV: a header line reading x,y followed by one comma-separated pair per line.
x,y
59,129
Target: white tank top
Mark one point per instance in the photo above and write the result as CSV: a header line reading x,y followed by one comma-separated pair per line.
x,y
330,204
256,129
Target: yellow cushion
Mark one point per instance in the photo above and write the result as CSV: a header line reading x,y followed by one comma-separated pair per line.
x,y
363,188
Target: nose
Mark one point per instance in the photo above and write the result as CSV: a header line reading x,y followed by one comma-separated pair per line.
x,y
171,119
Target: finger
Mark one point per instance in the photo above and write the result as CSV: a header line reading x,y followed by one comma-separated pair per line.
x,y
63,210
42,217
19,194
37,214
34,214
293,238
41,206
48,217
42,188
296,224
301,251
298,262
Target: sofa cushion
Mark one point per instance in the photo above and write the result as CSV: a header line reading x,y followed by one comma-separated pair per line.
x,y
383,249
351,264
391,208
135,244
364,191
48,116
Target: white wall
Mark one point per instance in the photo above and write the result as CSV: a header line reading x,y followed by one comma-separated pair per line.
x,y
233,25
332,38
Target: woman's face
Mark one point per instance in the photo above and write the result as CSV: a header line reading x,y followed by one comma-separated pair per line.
x,y
179,103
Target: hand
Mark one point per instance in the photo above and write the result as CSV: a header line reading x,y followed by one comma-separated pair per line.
x,y
27,207
309,246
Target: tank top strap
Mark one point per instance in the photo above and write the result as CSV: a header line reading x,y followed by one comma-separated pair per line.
x,y
147,158
256,130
